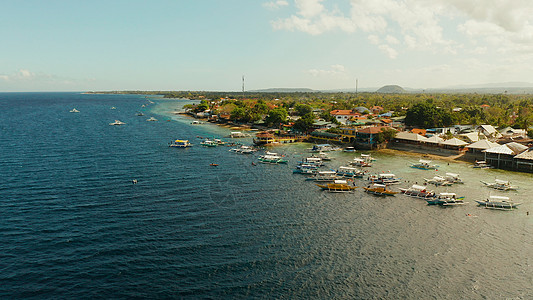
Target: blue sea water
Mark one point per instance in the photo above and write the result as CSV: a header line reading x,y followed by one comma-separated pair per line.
x,y
73,225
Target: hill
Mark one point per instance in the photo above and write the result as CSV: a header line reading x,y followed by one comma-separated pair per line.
x,y
391,89
285,90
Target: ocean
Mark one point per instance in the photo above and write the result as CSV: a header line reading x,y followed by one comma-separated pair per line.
x,y
74,225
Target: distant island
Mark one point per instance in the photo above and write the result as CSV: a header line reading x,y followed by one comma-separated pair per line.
x,y
391,89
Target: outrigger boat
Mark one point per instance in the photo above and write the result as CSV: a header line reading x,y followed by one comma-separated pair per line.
x,y
481,165
424,165
379,190
349,172
272,159
180,144
359,162
501,185
453,178
323,148
324,176
384,178
438,181
446,199
349,149
367,157
117,122
315,161
243,150
498,202
74,110
418,191
338,186
209,143
151,119
306,170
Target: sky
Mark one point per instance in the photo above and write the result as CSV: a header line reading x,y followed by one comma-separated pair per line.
x,y
209,45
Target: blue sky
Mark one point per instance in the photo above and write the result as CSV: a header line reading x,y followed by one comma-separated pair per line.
x,y
209,45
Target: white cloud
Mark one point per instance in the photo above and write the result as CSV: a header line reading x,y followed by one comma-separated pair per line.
x,y
334,70
388,50
275,4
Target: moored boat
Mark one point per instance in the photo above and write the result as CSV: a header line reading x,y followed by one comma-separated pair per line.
x,y
337,186
502,185
74,110
498,202
379,190
180,144
272,159
243,150
424,165
438,181
446,199
359,162
117,122
151,119
349,149
418,191
481,165
209,143
349,172
384,178
453,178
324,176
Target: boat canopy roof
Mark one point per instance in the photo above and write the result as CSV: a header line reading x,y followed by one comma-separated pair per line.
x,y
341,181
452,174
499,197
348,168
313,159
499,181
424,161
387,175
379,185
327,172
181,141
447,194
418,187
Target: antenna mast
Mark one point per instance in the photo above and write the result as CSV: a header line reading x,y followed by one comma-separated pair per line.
x,y
243,86
356,83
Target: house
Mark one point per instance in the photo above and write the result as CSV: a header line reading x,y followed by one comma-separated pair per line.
x,y
524,160
503,156
344,115
420,131
367,138
323,125
376,109
489,131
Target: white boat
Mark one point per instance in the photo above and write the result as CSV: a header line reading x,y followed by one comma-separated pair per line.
x,y
446,199
453,178
243,150
349,149
180,144
112,107
384,178
324,176
438,181
367,157
151,119
117,122
74,110
349,172
359,162
424,165
324,148
209,143
498,202
196,122
323,155
238,134
418,191
272,159
481,165
502,185
316,161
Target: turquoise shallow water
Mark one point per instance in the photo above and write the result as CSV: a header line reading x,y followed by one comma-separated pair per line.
x,y
72,224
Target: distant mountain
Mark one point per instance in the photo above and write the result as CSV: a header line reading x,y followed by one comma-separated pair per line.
x,y
286,90
391,89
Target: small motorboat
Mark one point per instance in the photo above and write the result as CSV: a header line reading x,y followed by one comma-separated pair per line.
x,y
213,165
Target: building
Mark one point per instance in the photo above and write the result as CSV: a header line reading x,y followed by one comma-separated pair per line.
x,y
344,115
367,138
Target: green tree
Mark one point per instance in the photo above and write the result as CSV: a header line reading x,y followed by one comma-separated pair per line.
x,y
303,109
305,123
276,116
427,115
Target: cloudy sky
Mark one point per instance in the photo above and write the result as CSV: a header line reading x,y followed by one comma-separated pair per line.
x,y
209,45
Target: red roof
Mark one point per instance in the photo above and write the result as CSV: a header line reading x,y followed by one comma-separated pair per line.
x,y
418,131
343,112
371,130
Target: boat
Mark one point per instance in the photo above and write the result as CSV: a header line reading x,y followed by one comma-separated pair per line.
x,y
112,107
359,162
209,143
367,157
338,186
438,181
501,185
453,178
379,190
151,119
213,165
140,114
417,191
424,165
324,176
243,150
349,172
384,178
316,161
446,199
74,110
180,144
481,165
349,149
498,202
272,159
323,155
238,134
306,170
219,142
324,148
117,122
196,122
